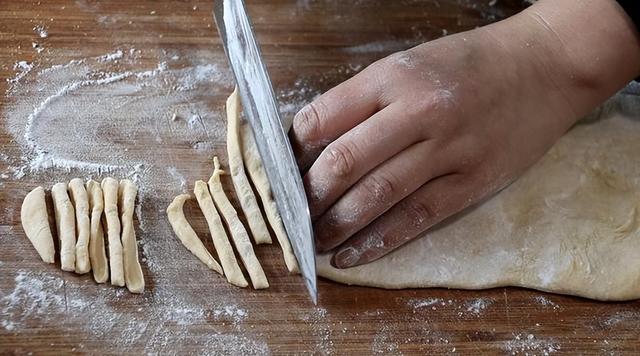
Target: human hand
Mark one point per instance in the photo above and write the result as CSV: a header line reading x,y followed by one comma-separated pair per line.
x,y
422,134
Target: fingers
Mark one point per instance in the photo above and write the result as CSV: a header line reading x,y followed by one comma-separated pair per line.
x,y
429,205
356,153
332,114
379,190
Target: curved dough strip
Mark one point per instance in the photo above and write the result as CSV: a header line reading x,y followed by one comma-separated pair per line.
x,y
97,255
66,226
80,202
110,190
220,240
247,199
237,230
253,163
35,222
185,233
133,277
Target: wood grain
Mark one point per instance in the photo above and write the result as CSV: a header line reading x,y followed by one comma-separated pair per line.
x,y
189,309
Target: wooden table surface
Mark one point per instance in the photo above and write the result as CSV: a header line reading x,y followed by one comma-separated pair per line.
x,y
310,45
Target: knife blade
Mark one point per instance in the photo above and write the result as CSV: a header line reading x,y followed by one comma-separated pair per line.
x,y
261,111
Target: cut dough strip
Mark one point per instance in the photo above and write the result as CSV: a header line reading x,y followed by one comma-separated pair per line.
x,y
253,163
237,230
247,199
66,226
225,252
35,223
110,190
134,279
187,236
80,202
97,255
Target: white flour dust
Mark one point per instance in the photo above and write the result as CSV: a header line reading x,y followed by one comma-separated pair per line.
x,y
43,297
85,115
473,307
541,300
528,344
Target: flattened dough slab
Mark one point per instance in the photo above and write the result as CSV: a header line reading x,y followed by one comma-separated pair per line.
x,y
570,225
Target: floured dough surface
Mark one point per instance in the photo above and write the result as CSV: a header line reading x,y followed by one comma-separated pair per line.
x,y
569,225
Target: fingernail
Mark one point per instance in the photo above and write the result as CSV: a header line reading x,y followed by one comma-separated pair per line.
x,y
346,258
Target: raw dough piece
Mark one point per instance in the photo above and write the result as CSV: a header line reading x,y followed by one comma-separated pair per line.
x,y
187,236
110,191
220,240
66,226
237,230
80,202
97,255
132,270
570,225
247,199
35,223
253,163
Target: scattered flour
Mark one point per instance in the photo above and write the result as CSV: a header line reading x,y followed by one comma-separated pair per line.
x,y
431,303
41,31
475,307
621,317
88,100
321,329
383,343
111,56
179,177
22,68
546,302
528,344
43,297
478,306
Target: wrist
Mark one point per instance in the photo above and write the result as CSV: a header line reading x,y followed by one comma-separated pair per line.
x,y
577,52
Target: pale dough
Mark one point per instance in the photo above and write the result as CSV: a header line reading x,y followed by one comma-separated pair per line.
x,y
80,202
97,255
133,277
254,166
35,222
110,193
570,225
236,229
219,237
185,232
66,226
244,192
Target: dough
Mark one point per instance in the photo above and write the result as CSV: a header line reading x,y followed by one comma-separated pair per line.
x,y
80,202
110,191
247,199
219,237
185,232
253,163
35,223
570,225
97,255
236,229
132,270
66,226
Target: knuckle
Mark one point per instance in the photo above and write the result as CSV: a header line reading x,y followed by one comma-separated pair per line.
x,y
379,188
420,212
341,159
374,238
307,123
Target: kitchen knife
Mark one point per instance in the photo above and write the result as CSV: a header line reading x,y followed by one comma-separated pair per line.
x,y
261,111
